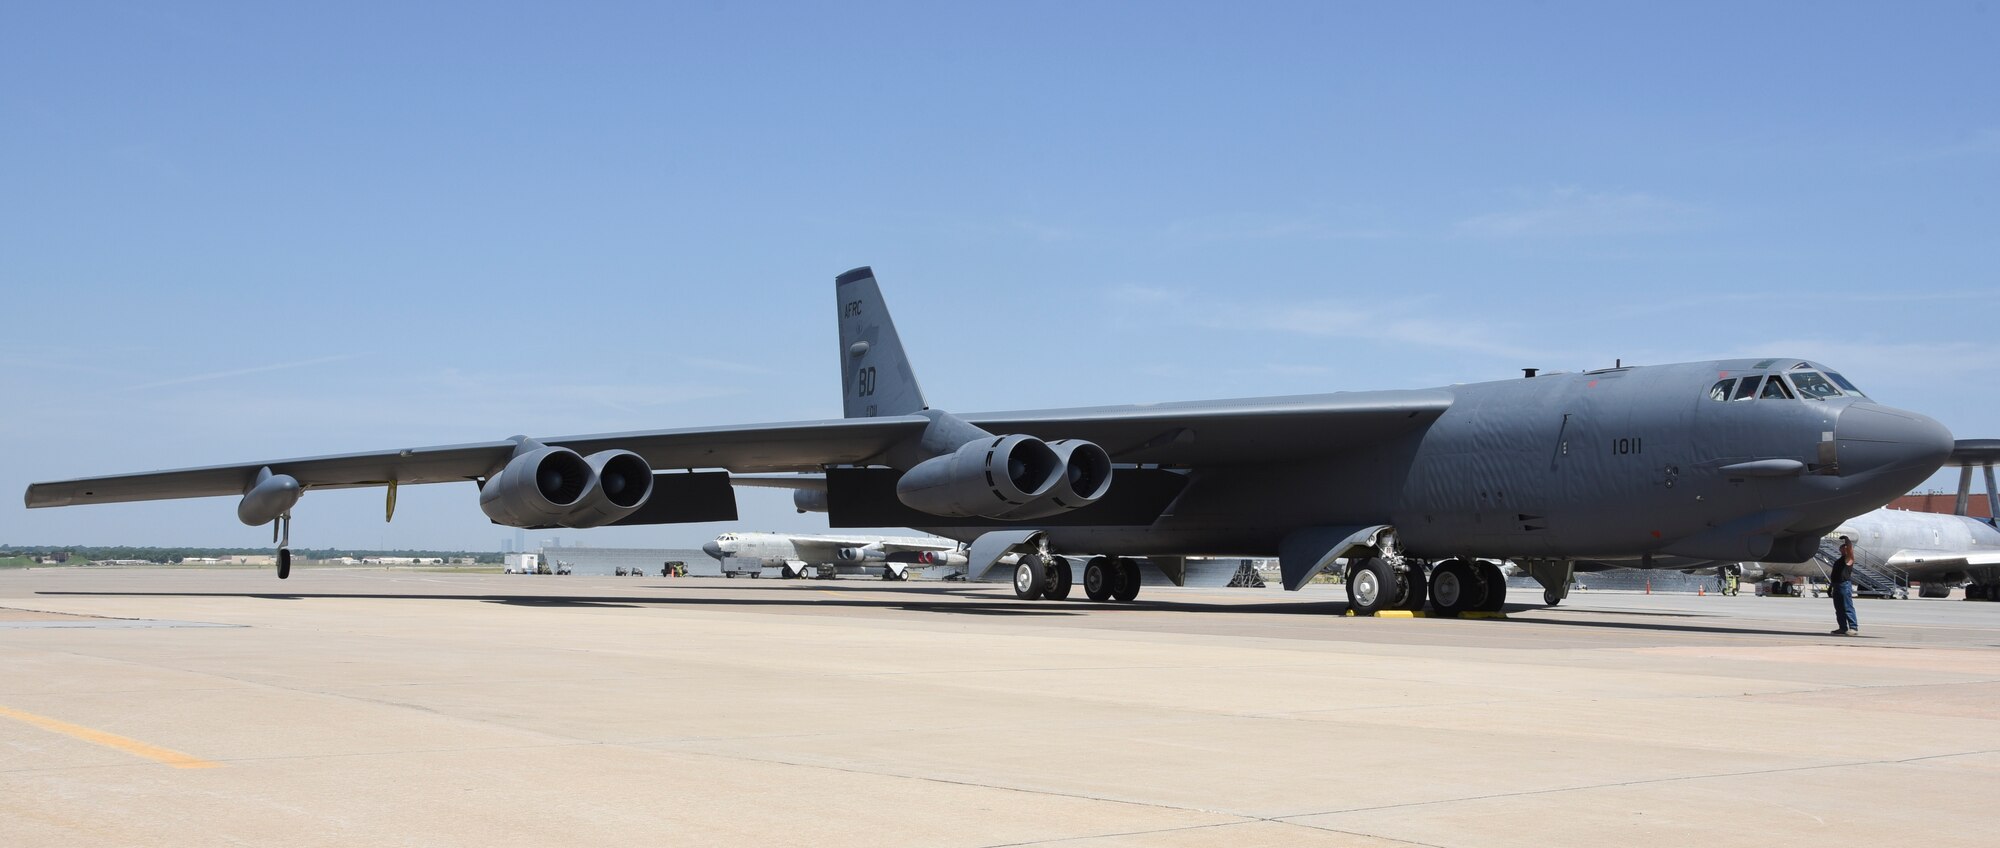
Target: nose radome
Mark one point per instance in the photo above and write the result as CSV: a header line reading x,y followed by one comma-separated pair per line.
x,y
1877,439
712,549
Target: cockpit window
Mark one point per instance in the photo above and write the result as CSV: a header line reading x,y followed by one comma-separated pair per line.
x,y
1720,391
1842,382
1747,390
1812,385
1775,388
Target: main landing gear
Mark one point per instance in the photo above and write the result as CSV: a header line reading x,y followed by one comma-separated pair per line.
x,y
1455,586
1047,577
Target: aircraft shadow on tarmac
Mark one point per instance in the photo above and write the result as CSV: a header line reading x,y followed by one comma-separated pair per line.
x,y
965,602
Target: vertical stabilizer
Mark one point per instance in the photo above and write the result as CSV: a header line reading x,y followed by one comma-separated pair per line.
x,y
875,375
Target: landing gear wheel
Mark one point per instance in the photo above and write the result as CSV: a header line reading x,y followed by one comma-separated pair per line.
x,y
1416,588
1550,598
1059,579
1456,588
1496,586
1031,578
284,563
1100,576
1371,586
1127,586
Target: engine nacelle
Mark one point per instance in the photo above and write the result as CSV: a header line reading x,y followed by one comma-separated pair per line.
x,y
984,478
624,482
269,497
940,558
537,488
809,500
1008,477
1086,473
854,556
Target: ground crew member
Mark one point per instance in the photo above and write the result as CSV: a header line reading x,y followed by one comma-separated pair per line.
x,y
1842,590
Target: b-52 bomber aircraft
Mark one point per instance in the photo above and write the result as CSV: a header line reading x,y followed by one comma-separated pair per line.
x,y
1416,491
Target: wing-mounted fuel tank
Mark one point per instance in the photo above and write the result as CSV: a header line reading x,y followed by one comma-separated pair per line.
x,y
1012,477
557,487
809,500
268,498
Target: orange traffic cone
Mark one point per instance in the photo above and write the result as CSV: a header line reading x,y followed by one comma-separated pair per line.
x,y
1701,591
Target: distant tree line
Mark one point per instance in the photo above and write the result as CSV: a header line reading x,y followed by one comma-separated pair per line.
x,y
73,553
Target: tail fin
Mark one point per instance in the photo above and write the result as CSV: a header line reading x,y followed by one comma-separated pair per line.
x,y
875,375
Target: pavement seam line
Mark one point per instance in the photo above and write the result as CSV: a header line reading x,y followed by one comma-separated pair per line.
x,y
1646,782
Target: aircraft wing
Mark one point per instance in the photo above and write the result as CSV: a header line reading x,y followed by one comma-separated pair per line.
x,y
797,446
1917,561
1232,431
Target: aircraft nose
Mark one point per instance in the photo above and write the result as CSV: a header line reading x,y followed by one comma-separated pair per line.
x,y
712,548
1877,440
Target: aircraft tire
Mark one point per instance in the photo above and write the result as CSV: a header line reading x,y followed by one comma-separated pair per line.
x,y
1030,578
1550,598
1371,586
1127,587
1456,587
1416,588
284,563
1100,576
1059,579
1496,586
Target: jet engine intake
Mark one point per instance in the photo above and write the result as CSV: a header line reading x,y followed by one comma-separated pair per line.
x,y
1086,473
537,488
623,483
853,556
1008,477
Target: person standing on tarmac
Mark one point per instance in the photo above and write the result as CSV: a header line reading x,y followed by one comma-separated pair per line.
x,y
1842,591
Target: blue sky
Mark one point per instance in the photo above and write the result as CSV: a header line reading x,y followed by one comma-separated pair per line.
x,y
246,231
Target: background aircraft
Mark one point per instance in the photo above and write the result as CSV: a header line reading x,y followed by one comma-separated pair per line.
x,y
796,552
1723,460
1935,550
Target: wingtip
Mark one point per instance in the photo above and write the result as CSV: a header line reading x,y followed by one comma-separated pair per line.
x,y
861,273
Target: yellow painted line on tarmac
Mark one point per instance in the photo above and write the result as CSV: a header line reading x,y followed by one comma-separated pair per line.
x,y
1410,614
110,740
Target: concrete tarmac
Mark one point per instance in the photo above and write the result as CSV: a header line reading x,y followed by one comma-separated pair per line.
x,y
367,707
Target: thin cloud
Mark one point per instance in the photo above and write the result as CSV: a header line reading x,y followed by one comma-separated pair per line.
x,y
1985,142
1572,212
1264,228
240,372
727,366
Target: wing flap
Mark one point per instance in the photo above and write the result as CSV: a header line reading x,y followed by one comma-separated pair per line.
x,y
1230,431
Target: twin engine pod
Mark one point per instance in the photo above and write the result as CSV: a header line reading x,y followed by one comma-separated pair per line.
x,y
557,487
1008,477
854,556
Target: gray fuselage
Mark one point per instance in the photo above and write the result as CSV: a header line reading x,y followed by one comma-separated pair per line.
x,y
1610,465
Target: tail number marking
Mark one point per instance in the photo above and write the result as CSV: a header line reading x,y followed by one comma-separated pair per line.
x,y
1626,447
864,382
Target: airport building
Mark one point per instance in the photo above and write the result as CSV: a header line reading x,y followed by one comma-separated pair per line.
x,y
646,560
